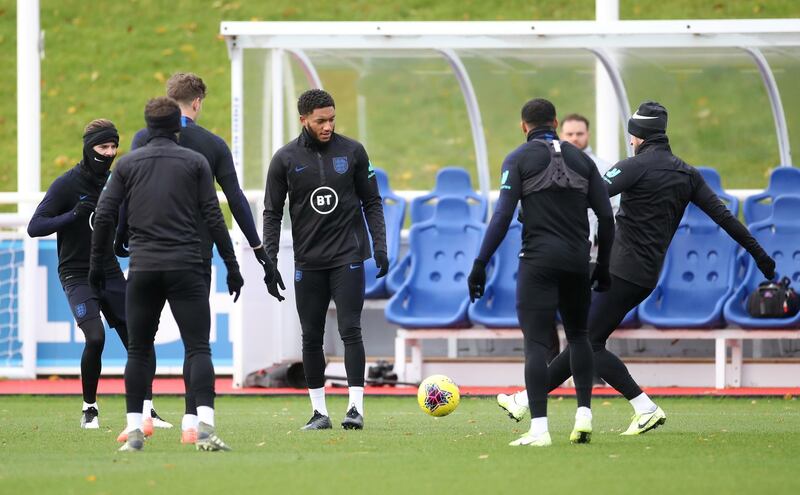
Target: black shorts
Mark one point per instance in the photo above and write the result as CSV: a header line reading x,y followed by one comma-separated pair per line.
x,y
85,304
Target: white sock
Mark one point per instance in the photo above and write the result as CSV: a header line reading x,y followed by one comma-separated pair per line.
x,y
521,398
205,415
147,406
583,412
86,406
134,422
642,404
318,400
189,421
538,426
357,399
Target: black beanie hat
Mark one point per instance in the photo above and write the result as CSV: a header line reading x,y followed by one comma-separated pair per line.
x,y
650,118
163,124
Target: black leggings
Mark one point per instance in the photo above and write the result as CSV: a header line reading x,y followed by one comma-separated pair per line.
x,y
541,292
313,292
91,359
607,312
186,292
190,405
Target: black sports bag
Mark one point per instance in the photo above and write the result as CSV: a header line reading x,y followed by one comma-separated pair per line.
x,y
773,300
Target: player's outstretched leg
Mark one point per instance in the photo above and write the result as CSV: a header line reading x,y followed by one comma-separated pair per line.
x,y
607,312
646,414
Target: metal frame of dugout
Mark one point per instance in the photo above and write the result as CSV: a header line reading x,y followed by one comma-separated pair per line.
x,y
448,40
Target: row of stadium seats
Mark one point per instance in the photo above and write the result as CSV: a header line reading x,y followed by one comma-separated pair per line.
x,y
450,182
456,182
704,284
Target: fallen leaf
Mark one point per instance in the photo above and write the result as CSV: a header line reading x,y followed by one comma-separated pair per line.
x,y
91,478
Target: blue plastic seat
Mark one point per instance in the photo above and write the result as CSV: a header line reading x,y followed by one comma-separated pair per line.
x,y
450,181
497,308
394,212
435,294
697,278
779,235
783,181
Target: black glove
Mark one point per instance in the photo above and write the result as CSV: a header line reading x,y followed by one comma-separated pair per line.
x,y
477,280
83,209
382,262
272,286
121,245
97,279
235,282
767,266
601,278
269,266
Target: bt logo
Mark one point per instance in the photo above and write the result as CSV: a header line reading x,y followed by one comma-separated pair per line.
x,y
324,200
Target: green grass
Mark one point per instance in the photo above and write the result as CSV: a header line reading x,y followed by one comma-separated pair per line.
x,y
107,61
708,445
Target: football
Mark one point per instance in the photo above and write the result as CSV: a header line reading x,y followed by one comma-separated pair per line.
x,y
438,395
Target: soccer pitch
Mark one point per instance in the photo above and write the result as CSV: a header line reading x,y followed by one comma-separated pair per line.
x,y
708,445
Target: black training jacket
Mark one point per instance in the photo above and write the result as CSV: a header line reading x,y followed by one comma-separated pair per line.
x,y
73,235
656,186
555,228
328,185
165,185
220,160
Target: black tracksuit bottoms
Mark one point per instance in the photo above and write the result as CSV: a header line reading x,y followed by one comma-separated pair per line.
x,y
190,406
607,311
541,291
313,292
187,294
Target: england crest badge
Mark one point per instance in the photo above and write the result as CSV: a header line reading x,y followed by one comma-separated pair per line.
x,y
340,164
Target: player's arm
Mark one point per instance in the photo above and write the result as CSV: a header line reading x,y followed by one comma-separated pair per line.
x,y
208,204
122,235
229,182
709,202
599,203
105,218
622,176
274,199
240,208
56,211
366,186
510,194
